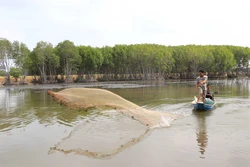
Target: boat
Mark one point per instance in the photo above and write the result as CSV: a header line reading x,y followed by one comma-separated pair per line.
x,y
208,105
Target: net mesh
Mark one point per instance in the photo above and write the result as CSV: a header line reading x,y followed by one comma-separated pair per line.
x,y
92,98
102,136
119,124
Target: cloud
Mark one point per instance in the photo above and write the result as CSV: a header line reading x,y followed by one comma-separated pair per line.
x,y
109,22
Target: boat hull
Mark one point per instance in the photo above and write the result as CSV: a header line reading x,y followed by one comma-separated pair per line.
x,y
203,106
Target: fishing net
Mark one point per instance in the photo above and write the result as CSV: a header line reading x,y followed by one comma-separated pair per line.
x,y
102,136
119,125
90,98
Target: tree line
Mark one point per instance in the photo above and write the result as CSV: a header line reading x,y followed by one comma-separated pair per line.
x,y
120,62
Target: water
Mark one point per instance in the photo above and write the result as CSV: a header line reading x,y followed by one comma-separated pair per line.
x,y
36,131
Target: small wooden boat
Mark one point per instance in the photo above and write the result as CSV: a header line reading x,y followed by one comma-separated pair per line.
x,y
209,104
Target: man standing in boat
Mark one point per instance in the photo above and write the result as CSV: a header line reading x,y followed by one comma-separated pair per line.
x,y
201,85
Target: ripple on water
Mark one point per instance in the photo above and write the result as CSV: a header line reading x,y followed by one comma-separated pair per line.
x,y
9,122
181,109
230,127
102,135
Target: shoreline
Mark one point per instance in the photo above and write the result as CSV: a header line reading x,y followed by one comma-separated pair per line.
x,y
116,84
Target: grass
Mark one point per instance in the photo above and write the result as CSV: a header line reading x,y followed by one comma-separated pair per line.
x,y
28,79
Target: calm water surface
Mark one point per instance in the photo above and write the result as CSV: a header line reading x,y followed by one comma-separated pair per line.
x,y
32,124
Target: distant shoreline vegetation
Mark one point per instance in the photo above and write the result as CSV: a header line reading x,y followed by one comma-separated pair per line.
x,y
120,62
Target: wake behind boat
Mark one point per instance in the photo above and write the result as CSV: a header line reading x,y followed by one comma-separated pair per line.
x,y
207,105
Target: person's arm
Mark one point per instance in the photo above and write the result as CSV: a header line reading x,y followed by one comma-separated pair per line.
x,y
202,82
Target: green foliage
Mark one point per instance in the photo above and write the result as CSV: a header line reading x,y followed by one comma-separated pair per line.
x,y
70,60
42,58
3,73
107,53
10,53
241,56
15,72
92,58
21,58
21,54
223,59
122,62
6,53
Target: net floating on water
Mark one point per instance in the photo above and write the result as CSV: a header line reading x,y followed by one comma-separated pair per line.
x,y
101,99
102,135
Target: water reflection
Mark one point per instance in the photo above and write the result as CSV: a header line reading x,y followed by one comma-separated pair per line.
x,y
201,131
20,107
10,100
231,87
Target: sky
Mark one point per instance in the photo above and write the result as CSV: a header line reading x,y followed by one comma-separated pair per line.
x,y
108,22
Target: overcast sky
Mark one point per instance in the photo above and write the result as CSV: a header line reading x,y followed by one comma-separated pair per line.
x,y
110,22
